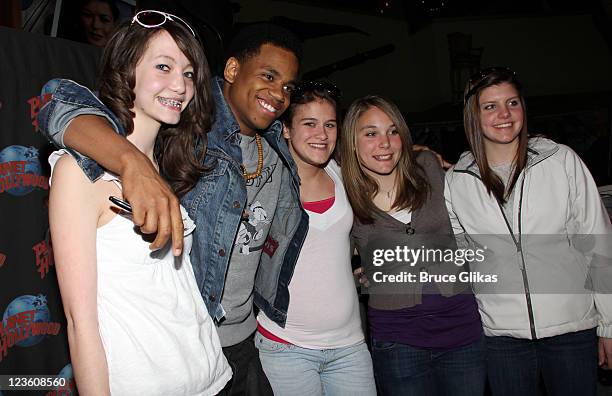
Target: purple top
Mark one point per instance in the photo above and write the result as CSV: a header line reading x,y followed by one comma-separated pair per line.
x,y
441,323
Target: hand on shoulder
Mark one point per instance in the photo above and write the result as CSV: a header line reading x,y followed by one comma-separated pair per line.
x,y
426,150
155,207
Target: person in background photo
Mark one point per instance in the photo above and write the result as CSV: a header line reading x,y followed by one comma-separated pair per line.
x,y
321,349
427,338
97,20
136,322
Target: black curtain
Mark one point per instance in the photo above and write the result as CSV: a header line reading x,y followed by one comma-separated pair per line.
x,y
33,329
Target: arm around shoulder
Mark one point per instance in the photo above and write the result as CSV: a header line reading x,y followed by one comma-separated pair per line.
x,y
430,164
76,118
70,100
155,206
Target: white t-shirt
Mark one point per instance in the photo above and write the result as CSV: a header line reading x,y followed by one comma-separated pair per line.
x,y
323,306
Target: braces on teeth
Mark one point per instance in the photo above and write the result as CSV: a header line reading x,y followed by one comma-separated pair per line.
x,y
171,102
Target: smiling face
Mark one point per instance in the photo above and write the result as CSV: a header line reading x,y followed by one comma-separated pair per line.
x,y
501,117
312,133
378,143
98,22
258,89
164,83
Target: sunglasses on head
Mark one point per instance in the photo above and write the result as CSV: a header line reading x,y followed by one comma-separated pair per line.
x,y
477,80
305,87
153,18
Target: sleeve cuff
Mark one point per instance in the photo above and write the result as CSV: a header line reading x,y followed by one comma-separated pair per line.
x,y
604,330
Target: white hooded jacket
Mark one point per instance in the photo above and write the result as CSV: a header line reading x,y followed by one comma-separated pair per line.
x,y
554,271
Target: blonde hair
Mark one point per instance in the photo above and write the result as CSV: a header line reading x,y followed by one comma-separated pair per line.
x,y
361,188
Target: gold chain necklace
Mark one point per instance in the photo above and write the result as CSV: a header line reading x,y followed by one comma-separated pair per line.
x,y
253,175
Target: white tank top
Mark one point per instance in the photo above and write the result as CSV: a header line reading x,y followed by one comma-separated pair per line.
x,y
157,334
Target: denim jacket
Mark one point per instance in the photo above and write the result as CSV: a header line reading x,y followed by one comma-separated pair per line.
x,y
215,203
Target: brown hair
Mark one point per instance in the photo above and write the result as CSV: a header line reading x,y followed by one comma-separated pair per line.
x,y
475,134
412,186
310,91
179,149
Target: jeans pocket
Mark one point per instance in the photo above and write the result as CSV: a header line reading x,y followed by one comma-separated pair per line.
x,y
267,345
382,345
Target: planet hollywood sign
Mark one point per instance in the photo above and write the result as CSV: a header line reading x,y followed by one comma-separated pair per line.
x,y
26,321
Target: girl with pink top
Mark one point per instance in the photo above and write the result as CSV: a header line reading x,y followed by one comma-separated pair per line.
x,y
321,349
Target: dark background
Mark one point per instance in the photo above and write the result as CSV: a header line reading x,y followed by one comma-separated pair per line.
x,y
418,53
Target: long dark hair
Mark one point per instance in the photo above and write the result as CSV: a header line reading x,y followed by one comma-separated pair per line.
x,y
475,135
412,186
179,149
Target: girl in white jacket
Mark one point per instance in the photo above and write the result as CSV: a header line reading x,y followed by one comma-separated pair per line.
x,y
533,207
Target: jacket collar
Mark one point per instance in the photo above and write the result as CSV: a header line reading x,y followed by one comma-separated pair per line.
x,y
538,149
225,127
225,124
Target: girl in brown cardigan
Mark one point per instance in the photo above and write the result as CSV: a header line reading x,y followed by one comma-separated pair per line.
x,y
426,336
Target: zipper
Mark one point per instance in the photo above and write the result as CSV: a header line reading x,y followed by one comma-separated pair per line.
x,y
519,248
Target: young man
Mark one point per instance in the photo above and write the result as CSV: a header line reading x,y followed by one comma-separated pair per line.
x,y
246,206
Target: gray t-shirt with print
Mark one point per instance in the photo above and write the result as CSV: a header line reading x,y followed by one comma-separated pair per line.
x,y
262,196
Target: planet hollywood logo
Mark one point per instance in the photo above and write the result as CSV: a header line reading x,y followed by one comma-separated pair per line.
x,y
20,171
70,388
26,322
37,102
43,252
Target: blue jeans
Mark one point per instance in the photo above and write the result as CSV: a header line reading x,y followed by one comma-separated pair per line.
x,y
567,364
292,370
405,370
